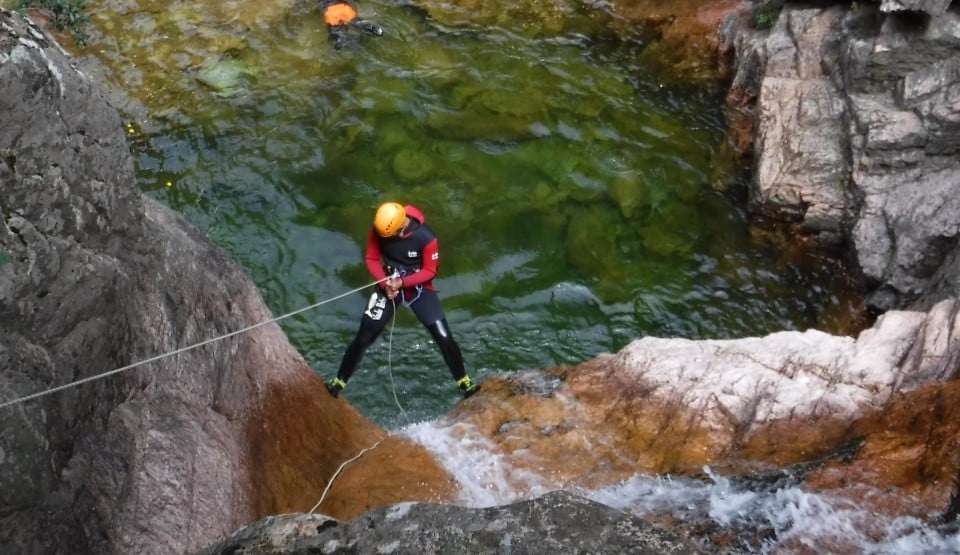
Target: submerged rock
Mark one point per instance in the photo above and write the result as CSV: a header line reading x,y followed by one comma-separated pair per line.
x,y
226,76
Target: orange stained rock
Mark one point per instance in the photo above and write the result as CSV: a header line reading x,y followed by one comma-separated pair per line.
x,y
687,37
785,442
548,437
740,104
395,471
910,456
593,425
590,430
339,14
662,435
696,18
300,438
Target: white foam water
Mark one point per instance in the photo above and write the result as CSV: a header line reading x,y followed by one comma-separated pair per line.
x,y
486,478
795,521
792,520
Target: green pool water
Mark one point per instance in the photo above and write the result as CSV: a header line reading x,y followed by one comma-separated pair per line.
x,y
582,198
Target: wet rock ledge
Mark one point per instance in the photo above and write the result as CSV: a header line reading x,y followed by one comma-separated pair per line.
x,y
559,522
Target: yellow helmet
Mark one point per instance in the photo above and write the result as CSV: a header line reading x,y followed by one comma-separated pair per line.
x,y
389,219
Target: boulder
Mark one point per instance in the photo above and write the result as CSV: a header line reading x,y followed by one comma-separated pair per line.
x,y
932,7
558,522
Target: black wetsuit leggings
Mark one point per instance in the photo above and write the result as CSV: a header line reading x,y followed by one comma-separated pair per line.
x,y
379,312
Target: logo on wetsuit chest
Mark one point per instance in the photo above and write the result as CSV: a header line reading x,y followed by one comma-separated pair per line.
x,y
413,254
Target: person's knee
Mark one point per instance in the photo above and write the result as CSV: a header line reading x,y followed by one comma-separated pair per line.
x,y
440,331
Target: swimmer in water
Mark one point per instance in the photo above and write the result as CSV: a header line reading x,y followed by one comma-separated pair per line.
x,y
340,17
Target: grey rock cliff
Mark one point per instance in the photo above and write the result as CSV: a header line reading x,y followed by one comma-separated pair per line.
x,y
95,276
858,139
933,7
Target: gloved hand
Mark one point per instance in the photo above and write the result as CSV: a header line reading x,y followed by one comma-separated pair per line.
x,y
393,287
368,26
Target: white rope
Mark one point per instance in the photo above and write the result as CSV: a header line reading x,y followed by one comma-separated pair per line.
x,y
393,322
335,474
183,350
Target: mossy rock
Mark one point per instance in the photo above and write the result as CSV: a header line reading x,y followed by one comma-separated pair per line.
x,y
688,190
674,232
480,126
392,134
630,194
513,103
412,165
226,76
591,243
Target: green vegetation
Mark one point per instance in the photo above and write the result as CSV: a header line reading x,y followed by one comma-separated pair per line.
x,y
4,259
65,15
765,18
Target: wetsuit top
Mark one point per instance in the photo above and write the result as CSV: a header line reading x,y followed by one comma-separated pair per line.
x,y
415,254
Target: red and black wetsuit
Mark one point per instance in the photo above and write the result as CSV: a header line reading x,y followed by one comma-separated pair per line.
x,y
415,255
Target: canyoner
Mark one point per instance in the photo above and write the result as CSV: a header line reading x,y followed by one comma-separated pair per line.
x,y
402,255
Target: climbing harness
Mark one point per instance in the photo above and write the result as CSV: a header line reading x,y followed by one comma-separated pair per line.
x,y
184,349
403,295
417,289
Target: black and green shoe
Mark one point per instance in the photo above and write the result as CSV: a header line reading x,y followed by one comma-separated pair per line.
x,y
335,386
467,387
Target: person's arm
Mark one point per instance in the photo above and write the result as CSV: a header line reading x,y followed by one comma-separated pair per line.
x,y
368,26
431,259
372,258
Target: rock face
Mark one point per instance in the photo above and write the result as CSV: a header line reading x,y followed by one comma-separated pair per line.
x,y
856,138
171,455
671,405
802,163
932,7
559,522
870,421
